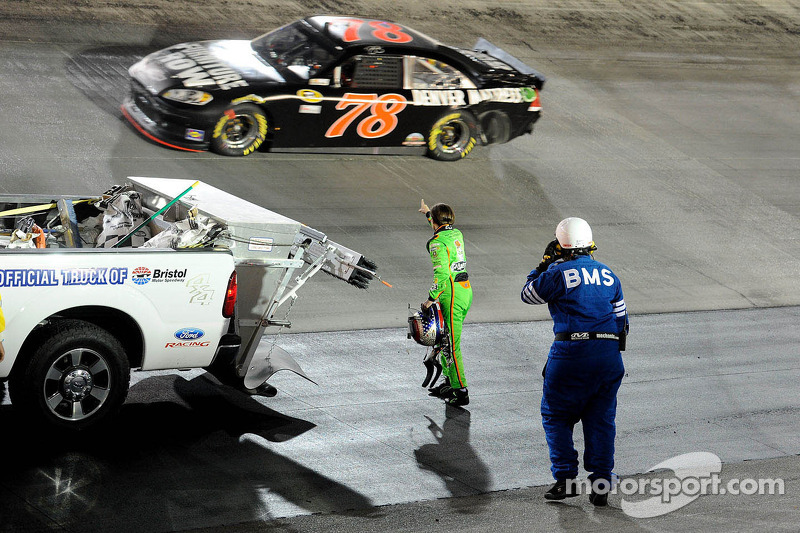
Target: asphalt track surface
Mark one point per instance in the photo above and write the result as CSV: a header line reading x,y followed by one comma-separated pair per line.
x,y
674,129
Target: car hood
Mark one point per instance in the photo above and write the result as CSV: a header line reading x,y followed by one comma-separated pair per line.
x,y
207,65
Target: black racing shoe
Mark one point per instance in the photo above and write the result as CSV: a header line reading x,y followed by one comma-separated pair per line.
x,y
442,390
458,397
599,493
561,489
598,499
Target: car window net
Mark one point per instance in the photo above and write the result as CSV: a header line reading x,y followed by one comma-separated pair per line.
x,y
379,72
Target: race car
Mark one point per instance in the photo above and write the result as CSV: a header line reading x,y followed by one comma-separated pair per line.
x,y
332,83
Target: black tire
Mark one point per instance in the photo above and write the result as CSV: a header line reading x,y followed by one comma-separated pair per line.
x,y
495,128
452,136
240,131
77,376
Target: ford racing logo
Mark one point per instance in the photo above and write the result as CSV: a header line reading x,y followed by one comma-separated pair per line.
x,y
189,333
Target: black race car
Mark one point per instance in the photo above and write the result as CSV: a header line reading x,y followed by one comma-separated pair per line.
x,y
328,83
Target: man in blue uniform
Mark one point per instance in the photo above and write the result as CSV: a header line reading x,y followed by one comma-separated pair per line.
x,y
584,367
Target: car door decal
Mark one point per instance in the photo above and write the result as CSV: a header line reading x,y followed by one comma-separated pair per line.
x,y
381,121
384,31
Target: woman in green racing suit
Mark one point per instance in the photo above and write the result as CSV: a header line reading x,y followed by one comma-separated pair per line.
x,y
452,288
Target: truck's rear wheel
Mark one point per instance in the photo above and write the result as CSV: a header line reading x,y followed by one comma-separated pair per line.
x,y
76,376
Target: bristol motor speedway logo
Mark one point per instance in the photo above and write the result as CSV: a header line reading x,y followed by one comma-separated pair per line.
x,y
143,275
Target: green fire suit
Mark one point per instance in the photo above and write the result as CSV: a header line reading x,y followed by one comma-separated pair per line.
x,y
452,288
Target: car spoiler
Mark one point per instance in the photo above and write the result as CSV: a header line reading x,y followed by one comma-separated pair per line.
x,y
482,45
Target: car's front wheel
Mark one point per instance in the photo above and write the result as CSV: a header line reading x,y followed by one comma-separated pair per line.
x,y
452,136
239,131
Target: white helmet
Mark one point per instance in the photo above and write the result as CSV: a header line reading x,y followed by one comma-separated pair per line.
x,y
574,233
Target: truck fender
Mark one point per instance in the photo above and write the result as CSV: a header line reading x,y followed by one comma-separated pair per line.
x,y
26,318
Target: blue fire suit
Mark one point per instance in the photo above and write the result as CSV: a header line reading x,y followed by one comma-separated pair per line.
x,y
581,377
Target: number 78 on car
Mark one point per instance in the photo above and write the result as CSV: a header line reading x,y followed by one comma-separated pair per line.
x,y
333,84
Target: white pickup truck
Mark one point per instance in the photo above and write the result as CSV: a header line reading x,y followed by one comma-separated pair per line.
x,y
79,316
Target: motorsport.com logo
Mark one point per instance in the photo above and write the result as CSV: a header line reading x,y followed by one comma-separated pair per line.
x,y
143,275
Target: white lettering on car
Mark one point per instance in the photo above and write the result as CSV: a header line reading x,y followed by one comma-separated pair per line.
x,y
195,77
438,98
450,98
199,68
507,95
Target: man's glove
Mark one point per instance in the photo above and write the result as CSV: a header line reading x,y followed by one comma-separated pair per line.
x,y
551,253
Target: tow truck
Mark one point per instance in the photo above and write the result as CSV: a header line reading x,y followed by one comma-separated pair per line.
x,y
196,285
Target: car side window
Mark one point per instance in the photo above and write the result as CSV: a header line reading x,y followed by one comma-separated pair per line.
x,y
380,72
426,73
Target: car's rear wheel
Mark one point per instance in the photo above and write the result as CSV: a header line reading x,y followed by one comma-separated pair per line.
x,y
452,136
495,127
240,131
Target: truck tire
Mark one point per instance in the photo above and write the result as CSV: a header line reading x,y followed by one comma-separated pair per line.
x,y
77,375
452,136
239,131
